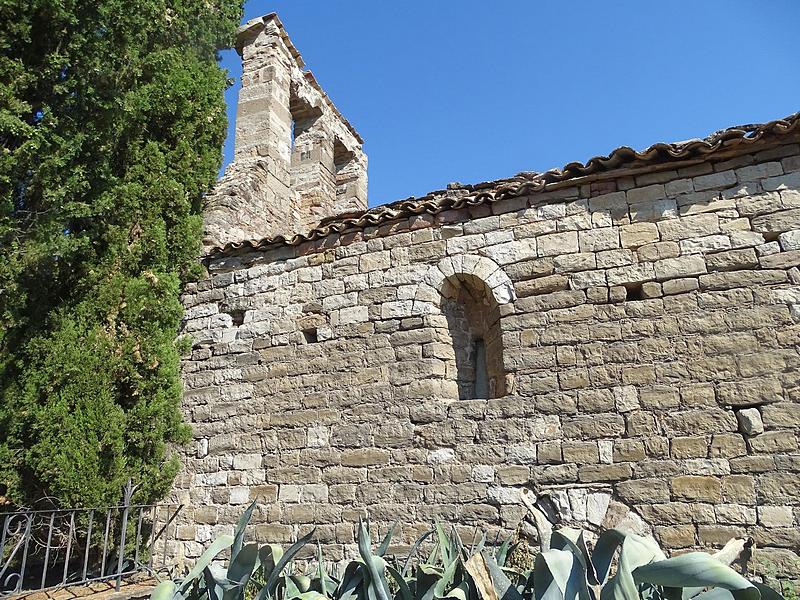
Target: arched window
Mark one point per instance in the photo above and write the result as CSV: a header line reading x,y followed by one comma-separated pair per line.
x,y
473,322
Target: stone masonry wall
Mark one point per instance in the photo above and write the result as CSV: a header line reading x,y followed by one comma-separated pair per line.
x,y
296,158
649,360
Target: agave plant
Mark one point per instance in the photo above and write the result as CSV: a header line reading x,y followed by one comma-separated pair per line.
x,y
622,566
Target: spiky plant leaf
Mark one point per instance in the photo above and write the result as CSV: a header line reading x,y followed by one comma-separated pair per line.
x,y
386,541
573,541
243,564
272,580
505,589
268,557
163,591
414,549
238,534
635,551
560,575
403,590
217,546
427,577
697,569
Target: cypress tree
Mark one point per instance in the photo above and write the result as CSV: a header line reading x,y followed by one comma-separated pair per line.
x,y
111,124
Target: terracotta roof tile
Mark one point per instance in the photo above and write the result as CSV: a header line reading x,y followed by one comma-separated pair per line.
x,y
528,183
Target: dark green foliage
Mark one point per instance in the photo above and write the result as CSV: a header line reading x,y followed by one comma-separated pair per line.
x,y
111,124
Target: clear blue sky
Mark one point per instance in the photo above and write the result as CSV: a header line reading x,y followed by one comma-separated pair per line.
x,y
470,90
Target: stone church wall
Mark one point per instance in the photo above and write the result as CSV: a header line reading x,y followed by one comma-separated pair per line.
x,y
638,342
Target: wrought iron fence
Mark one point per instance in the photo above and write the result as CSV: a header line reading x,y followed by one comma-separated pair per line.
x,y
43,549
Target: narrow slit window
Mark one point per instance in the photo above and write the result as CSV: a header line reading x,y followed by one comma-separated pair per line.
x,y
481,373
310,336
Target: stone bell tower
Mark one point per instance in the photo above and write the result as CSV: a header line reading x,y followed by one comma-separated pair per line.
x,y
296,161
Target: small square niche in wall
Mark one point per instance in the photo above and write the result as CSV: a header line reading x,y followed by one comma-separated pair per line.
x,y
634,292
310,335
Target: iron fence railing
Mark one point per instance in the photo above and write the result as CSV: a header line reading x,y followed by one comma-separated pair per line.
x,y
43,549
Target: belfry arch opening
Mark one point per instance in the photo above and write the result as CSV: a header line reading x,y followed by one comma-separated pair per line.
x,y
473,322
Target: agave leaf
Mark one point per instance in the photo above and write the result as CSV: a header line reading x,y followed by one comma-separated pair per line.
x,y
414,550
478,542
386,540
457,543
303,582
322,576
374,565
560,575
243,564
767,593
502,552
635,552
505,589
291,591
311,595
714,594
479,571
460,592
216,583
445,581
283,561
268,557
403,591
351,579
238,534
427,578
697,569
217,546
163,591
444,545
604,549
572,540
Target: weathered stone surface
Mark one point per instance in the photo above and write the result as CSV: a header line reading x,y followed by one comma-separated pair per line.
x,y
697,488
750,422
748,393
622,326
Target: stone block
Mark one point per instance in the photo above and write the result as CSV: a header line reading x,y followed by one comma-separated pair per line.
x,y
775,516
781,260
744,258
580,452
676,536
638,234
650,193
781,414
594,240
682,266
750,422
790,240
695,226
727,445
718,535
697,488
750,393
541,285
689,447
631,274
643,491
777,222
696,422
595,473
555,244
679,286
722,179
774,442
739,489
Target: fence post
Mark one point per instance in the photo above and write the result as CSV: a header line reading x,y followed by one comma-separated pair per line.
x,y
126,504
